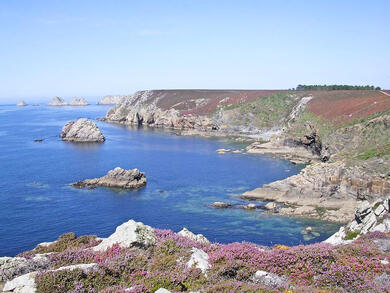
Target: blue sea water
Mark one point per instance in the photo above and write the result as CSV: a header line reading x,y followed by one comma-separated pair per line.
x,y
37,204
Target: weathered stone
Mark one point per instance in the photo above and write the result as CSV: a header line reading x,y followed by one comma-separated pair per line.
x,y
221,205
78,102
11,267
250,206
270,206
57,101
21,104
116,178
195,237
22,284
199,259
269,279
129,234
82,130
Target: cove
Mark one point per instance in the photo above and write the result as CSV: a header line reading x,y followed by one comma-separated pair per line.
x,y
37,204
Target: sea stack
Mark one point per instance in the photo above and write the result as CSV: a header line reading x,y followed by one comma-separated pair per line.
x,y
57,101
117,178
82,130
78,102
21,104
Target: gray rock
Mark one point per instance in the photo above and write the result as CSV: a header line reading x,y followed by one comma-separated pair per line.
x,y
82,130
195,237
21,104
163,290
250,206
221,205
57,101
199,259
116,178
78,102
11,267
363,210
111,100
269,279
22,284
129,234
270,206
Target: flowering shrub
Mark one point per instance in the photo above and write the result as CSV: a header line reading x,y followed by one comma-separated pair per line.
x,y
356,267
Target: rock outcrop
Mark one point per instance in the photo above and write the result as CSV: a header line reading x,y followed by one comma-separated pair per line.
x,y
195,237
270,280
369,217
57,101
199,259
12,267
129,234
111,99
329,191
116,178
78,102
82,130
21,104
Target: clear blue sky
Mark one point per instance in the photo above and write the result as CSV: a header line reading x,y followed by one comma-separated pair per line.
x,y
92,48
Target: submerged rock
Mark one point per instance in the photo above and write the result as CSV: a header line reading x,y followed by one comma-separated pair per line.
x,y
82,130
78,102
129,234
195,237
21,104
57,101
117,178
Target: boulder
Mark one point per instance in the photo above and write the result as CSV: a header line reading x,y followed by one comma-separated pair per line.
x,y
21,104
116,178
270,206
11,267
57,101
195,237
163,290
250,206
22,284
199,259
78,102
129,234
82,130
221,205
269,279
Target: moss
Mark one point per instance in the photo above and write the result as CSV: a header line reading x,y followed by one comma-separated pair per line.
x,y
352,234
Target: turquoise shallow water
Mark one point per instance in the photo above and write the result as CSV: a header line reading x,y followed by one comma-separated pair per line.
x,y
37,204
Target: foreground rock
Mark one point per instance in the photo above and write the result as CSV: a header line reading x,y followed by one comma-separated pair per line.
x,y
116,178
82,130
57,101
199,259
21,104
11,267
129,234
269,280
329,191
78,102
369,217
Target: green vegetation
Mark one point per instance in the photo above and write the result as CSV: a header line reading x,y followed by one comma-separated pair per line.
x,y
334,87
352,234
375,152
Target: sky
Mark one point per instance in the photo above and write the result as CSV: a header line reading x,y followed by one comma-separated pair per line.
x,y
93,48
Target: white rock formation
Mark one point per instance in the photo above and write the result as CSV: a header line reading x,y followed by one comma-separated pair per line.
x,y
129,234
57,101
368,217
269,279
195,237
78,102
82,130
199,259
21,104
163,290
22,284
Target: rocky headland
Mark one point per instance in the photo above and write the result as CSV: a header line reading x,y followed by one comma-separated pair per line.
x,y
57,101
342,136
111,100
138,258
116,178
81,130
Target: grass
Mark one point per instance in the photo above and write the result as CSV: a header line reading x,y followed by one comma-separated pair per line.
x,y
352,234
376,152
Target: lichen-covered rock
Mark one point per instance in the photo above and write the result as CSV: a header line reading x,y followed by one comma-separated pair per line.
x,y
82,130
195,237
111,100
21,104
78,102
199,259
116,178
57,101
129,234
11,267
269,279
22,284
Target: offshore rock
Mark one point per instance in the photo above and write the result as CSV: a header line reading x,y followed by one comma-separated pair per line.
x,y
78,102
129,234
21,104
116,178
82,130
57,101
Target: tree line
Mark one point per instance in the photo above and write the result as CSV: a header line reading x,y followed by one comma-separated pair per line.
x,y
334,87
